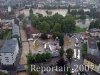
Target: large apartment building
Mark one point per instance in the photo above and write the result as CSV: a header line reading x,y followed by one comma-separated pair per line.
x,y
9,52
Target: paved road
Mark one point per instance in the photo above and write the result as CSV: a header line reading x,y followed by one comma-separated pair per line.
x,y
76,63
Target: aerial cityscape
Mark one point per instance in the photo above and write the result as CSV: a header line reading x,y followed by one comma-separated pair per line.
x,y
49,37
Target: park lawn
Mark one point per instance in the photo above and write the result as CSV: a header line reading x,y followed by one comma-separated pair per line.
x,y
78,29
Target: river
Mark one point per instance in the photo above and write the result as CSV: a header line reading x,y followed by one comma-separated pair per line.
x,y
43,11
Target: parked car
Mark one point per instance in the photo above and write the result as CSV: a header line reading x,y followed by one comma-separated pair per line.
x,y
74,56
76,45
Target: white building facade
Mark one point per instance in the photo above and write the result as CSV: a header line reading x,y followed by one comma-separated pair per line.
x,y
9,52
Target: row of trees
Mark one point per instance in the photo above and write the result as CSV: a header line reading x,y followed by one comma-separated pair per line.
x,y
84,49
69,54
61,62
82,14
38,58
95,24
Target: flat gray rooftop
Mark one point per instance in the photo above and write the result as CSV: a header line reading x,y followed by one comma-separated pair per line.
x,y
92,43
15,30
93,48
9,46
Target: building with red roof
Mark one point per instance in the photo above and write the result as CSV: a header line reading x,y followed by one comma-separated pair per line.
x,y
32,32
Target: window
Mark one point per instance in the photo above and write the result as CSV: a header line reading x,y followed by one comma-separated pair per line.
x,y
7,60
12,58
6,57
12,54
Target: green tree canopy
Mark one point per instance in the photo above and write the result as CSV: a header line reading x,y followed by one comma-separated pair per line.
x,y
95,24
34,73
38,58
61,52
44,27
74,12
57,27
69,9
69,54
34,20
81,12
48,55
68,24
29,58
84,49
31,11
55,23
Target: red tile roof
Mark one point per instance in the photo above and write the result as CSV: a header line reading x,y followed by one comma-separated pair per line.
x,y
31,30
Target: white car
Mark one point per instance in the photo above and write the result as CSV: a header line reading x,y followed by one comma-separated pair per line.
x,y
78,56
76,39
74,56
72,71
76,45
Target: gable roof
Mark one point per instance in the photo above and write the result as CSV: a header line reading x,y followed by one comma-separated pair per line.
x,y
93,58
